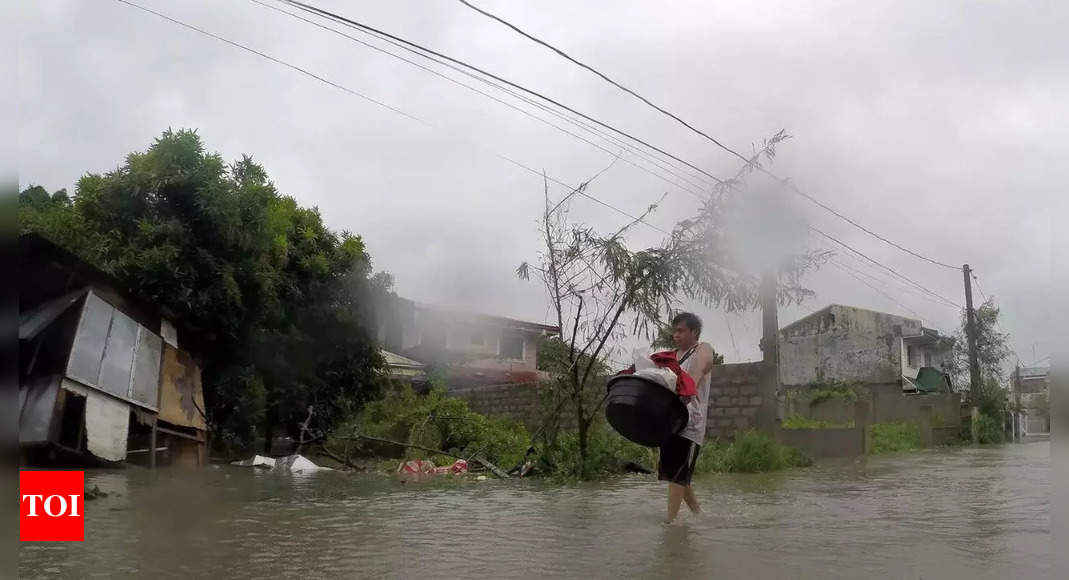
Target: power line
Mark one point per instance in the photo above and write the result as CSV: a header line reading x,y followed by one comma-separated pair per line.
x,y
731,333
855,275
888,268
878,277
573,190
694,129
998,325
598,73
420,50
489,96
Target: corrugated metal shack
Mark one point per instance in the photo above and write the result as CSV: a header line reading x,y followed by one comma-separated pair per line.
x,y
102,378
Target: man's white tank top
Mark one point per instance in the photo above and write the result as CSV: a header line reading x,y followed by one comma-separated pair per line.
x,y
697,407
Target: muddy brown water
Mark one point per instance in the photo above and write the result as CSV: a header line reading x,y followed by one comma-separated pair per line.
x,y
954,513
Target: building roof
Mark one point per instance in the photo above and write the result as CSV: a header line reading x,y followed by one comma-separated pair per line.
x,y
827,310
49,272
1033,372
503,321
397,361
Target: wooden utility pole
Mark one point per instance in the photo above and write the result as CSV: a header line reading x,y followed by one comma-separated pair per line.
x,y
970,332
769,388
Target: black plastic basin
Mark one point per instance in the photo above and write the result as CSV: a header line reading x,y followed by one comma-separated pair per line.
x,y
643,411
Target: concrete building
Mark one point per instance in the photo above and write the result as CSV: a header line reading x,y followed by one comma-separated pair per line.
x,y
102,378
853,344
475,348
1030,391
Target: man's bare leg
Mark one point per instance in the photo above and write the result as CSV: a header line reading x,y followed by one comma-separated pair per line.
x,y
691,499
675,499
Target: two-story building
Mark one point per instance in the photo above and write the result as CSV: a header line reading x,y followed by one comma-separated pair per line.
x,y
472,348
854,344
1031,395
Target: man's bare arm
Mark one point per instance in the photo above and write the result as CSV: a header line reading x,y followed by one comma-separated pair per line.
x,y
705,361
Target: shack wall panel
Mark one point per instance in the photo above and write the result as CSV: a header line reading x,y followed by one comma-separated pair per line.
x,y
146,384
88,348
181,395
38,402
118,355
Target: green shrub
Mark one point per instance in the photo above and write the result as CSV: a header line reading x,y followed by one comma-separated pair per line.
x,y
751,452
990,430
435,421
891,437
823,391
607,453
798,422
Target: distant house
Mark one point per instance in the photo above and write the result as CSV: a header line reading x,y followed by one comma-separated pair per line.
x,y
403,368
474,349
1031,393
853,344
102,377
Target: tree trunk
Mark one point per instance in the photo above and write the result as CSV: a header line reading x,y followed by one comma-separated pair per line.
x,y
269,431
584,434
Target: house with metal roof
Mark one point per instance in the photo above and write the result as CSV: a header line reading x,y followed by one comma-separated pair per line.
x,y
473,348
102,375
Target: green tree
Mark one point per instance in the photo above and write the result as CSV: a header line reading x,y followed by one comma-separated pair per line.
x,y
600,289
992,350
279,303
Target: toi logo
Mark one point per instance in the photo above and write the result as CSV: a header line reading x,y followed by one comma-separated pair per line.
x,y
51,506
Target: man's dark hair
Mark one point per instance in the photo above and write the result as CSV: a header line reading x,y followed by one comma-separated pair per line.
x,y
690,320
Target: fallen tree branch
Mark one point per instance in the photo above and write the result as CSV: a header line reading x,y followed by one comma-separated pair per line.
x,y
480,459
342,460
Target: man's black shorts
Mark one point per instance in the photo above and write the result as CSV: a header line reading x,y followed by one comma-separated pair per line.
x,y
678,457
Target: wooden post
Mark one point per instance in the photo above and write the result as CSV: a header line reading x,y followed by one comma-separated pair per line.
x,y
152,445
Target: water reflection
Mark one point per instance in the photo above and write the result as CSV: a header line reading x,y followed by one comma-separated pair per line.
x,y
964,513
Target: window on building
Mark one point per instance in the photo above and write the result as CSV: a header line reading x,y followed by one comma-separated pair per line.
x,y
511,346
927,359
909,357
478,339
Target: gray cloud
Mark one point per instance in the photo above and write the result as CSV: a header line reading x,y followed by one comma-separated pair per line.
x,y
941,125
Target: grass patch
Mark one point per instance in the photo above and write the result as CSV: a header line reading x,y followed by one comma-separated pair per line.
x,y
798,422
751,452
825,391
892,437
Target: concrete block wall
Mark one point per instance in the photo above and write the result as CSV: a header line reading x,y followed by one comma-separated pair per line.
x,y
888,405
520,402
734,399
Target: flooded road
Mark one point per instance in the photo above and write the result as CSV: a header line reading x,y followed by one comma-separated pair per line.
x,y
958,513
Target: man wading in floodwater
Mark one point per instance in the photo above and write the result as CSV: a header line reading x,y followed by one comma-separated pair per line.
x,y
680,453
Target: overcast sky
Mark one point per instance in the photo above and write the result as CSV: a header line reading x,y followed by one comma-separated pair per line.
x,y
941,125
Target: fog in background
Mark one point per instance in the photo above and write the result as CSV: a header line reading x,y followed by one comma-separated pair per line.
x,y
939,125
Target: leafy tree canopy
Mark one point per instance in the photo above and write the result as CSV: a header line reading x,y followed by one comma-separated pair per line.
x,y
280,302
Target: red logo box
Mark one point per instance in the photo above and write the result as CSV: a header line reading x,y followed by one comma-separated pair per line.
x,y
51,506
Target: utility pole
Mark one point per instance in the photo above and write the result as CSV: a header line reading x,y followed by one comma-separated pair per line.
x,y
769,389
970,332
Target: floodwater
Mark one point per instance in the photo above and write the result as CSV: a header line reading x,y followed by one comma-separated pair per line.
x,y
948,514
